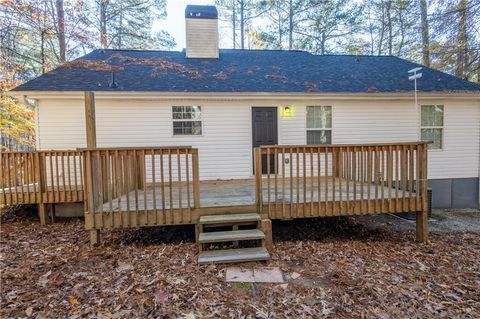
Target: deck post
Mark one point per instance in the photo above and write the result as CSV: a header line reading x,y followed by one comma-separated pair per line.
x,y
91,196
258,179
422,188
42,213
94,237
266,226
42,189
196,178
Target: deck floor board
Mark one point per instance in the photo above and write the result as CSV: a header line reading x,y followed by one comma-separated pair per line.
x,y
242,192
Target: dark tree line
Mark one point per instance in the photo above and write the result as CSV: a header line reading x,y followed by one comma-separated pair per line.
x,y
444,34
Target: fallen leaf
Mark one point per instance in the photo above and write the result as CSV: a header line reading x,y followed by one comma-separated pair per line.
x,y
122,266
295,275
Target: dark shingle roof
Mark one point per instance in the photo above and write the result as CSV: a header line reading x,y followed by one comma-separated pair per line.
x,y
241,71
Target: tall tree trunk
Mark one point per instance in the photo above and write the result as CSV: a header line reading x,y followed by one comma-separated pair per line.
x,y
322,43
425,33
462,39
42,39
290,26
242,25
61,30
234,23
478,69
103,23
382,32
389,26
42,51
120,31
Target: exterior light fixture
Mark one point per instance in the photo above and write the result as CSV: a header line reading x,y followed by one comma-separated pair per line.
x,y
287,111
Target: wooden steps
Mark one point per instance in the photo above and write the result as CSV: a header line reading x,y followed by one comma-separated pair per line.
x,y
211,230
234,255
232,235
231,218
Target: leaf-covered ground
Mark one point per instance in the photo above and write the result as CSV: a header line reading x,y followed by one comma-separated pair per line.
x,y
346,270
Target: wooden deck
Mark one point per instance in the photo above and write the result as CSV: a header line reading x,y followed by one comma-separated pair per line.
x,y
156,186
241,192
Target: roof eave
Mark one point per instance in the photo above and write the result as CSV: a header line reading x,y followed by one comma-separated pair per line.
x,y
241,95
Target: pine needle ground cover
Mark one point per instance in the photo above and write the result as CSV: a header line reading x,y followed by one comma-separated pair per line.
x,y
334,268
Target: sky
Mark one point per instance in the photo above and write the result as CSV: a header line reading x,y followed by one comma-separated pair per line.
x,y
175,21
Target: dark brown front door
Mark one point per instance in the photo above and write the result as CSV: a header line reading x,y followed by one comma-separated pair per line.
x,y
264,126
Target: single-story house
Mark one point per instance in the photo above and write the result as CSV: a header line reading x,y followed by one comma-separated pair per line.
x,y
224,102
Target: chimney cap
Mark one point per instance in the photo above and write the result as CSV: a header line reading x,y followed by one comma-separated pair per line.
x,y
201,12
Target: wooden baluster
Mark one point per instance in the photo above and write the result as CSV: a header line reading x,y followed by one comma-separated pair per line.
x,y
362,177
81,168
64,178
291,183
154,185
340,181
334,174
347,170
258,152
170,186
304,181
369,178
390,177
354,176
411,167
327,211
404,177
109,173
418,177
143,179
268,182
100,185
196,179
319,182
397,178
187,178
376,177
382,178
179,173
283,182
311,181
297,178
126,175
275,176
118,182
136,182
162,188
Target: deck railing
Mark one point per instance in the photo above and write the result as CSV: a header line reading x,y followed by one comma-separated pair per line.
x,y
130,187
333,180
41,177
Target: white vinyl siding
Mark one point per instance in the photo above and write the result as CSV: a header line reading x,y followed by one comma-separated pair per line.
x,y
225,147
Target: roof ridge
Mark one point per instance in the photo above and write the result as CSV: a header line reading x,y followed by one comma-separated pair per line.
x,y
137,50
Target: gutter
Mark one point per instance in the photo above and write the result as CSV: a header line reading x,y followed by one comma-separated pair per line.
x,y
470,95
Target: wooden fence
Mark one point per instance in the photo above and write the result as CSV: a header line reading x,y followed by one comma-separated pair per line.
x,y
37,177
131,187
334,180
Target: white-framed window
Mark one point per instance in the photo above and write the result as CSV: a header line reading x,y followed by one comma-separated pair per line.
x,y
187,120
319,124
431,125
